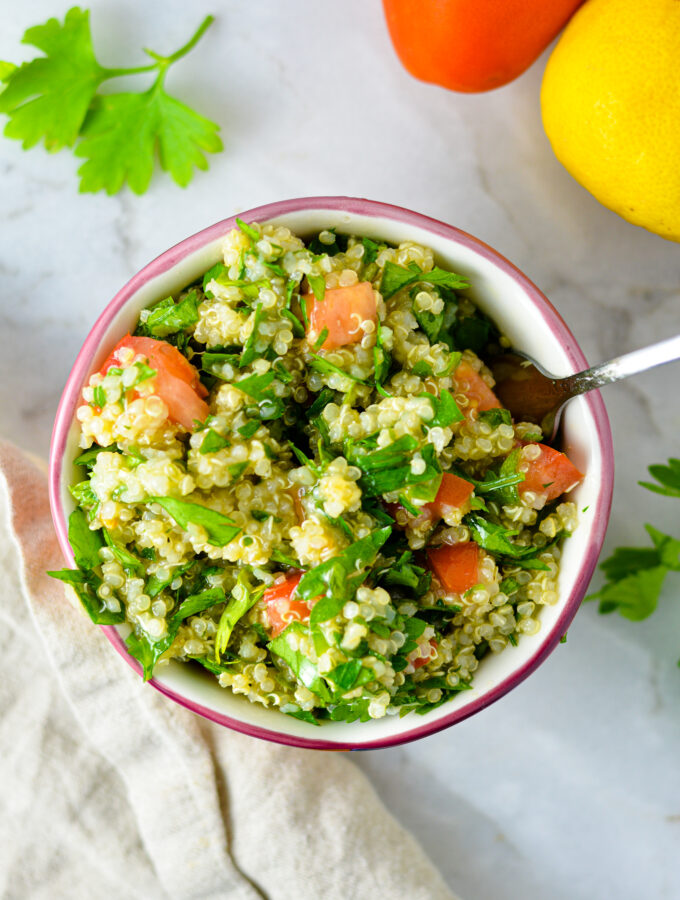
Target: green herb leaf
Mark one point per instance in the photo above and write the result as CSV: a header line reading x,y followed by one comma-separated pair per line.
x,y
336,580
85,584
430,323
371,250
303,668
214,667
84,542
47,99
634,596
352,711
382,359
446,410
389,469
495,417
212,442
213,362
123,132
248,230
85,496
320,403
496,540
146,651
304,715
130,563
668,478
339,244
173,317
249,352
249,429
243,597
397,277
350,675
197,603
318,285
328,368
321,338
255,386
99,396
298,327
422,369
221,529
53,98
89,457
217,271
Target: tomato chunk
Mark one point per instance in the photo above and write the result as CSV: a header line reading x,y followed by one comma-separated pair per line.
x,y
422,654
456,566
453,493
176,382
475,389
281,606
341,311
552,472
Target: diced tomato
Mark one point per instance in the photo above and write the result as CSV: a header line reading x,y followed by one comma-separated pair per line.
x,y
177,382
474,387
341,311
552,473
416,657
281,606
453,493
456,566
160,355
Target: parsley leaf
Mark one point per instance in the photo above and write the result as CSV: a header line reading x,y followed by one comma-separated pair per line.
x,y
122,133
168,317
303,668
243,596
47,98
446,410
496,540
220,528
635,576
54,99
668,478
318,285
85,542
212,442
336,580
389,468
396,277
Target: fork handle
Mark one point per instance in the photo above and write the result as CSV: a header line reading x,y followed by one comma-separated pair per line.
x,y
623,366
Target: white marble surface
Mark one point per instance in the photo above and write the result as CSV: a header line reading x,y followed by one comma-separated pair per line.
x,y
569,787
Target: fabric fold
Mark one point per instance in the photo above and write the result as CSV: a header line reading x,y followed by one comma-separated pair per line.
x,y
196,811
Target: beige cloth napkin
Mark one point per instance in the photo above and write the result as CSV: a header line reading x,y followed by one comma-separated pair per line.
x,y
110,790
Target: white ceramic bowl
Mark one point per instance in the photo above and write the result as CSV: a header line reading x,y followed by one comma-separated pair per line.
x,y
522,313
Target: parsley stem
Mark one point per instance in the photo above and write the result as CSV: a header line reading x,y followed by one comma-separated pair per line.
x,y
191,43
137,70
162,62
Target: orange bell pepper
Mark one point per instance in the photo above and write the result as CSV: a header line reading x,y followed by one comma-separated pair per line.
x,y
473,45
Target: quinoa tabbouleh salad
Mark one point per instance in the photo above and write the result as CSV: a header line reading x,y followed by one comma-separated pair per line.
x,y
296,474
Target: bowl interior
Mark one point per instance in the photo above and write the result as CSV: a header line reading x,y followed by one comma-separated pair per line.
x,y
532,326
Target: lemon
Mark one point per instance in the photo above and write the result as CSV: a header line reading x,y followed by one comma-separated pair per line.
x,y
611,107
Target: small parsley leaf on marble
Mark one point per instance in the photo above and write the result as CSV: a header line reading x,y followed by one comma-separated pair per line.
x,y
634,576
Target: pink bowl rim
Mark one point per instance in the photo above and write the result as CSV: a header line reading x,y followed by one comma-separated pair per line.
x,y
370,209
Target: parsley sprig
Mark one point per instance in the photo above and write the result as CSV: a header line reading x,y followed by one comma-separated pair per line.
x,y
53,99
635,575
